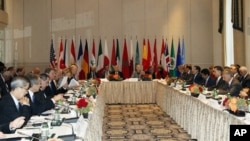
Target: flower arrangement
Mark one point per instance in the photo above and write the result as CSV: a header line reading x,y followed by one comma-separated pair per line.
x,y
84,105
194,88
235,104
92,90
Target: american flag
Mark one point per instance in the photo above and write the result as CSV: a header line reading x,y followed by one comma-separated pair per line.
x,y
53,62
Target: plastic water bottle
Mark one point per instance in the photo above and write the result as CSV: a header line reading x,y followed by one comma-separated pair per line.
x,y
44,131
215,93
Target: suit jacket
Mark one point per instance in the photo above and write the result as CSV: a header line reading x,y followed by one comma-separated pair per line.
x,y
51,90
3,87
245,82
92,75
198,79
234,88
103,75
189,78
221,85
42,103
5,128
210,82
119,73
9,111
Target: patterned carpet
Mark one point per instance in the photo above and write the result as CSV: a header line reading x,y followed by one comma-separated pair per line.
x,y
140,123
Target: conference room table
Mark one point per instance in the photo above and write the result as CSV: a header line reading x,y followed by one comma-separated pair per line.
x,y
201,120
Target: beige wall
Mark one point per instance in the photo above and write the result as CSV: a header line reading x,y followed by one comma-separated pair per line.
x,y
29,30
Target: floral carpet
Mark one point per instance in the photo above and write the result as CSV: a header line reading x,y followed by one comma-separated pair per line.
x,y
145,122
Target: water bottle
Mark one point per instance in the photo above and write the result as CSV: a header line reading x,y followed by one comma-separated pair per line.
x,y
215,93
44,131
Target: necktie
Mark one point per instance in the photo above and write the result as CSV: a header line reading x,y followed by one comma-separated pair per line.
x,y
18,106
206,82
217,81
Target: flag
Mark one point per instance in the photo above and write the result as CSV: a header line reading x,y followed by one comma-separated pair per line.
x,y
131,62
79,60
125,61
149,60
61,56
113,56
178,58
66,54
93,61
106,55
155,61
162,56
167,57
72,53
117,53
183,53
137,54
100,58
172,61
145,56
52,58
85,62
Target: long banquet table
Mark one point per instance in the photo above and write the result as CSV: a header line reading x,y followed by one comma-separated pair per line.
x,y
199,119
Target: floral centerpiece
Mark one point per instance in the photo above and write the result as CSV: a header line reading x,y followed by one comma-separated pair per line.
x,y
195,89
84,106
235,105
92,90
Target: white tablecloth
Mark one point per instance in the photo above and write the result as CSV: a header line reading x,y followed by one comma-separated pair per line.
x,y
202,121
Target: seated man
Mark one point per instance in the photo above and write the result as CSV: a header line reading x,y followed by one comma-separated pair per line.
x,y
160,73
189,77
105,73
11,126
219,83
138,72
197,76
245,77
149,74
92,74
15,104
51,90
116,75
41,101
233,85
208,80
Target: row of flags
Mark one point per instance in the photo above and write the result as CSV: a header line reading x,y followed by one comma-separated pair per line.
x,y
147,58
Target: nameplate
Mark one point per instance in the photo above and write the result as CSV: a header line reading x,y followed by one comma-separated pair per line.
x,y
81,126
239,132
214,103
202,98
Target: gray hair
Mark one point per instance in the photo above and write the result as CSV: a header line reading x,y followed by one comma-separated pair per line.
x,y
33,78
19,81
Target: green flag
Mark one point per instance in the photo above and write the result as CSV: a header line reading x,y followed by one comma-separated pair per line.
x,y
137,55
172,61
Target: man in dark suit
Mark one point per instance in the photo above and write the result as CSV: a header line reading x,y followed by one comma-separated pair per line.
x,y
106,72
12,126
51,90
208,81
92,74
41,102
219,83
14,105
117,75
197,76
189,77
233,85
3,86
245,77
235,71
182,72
